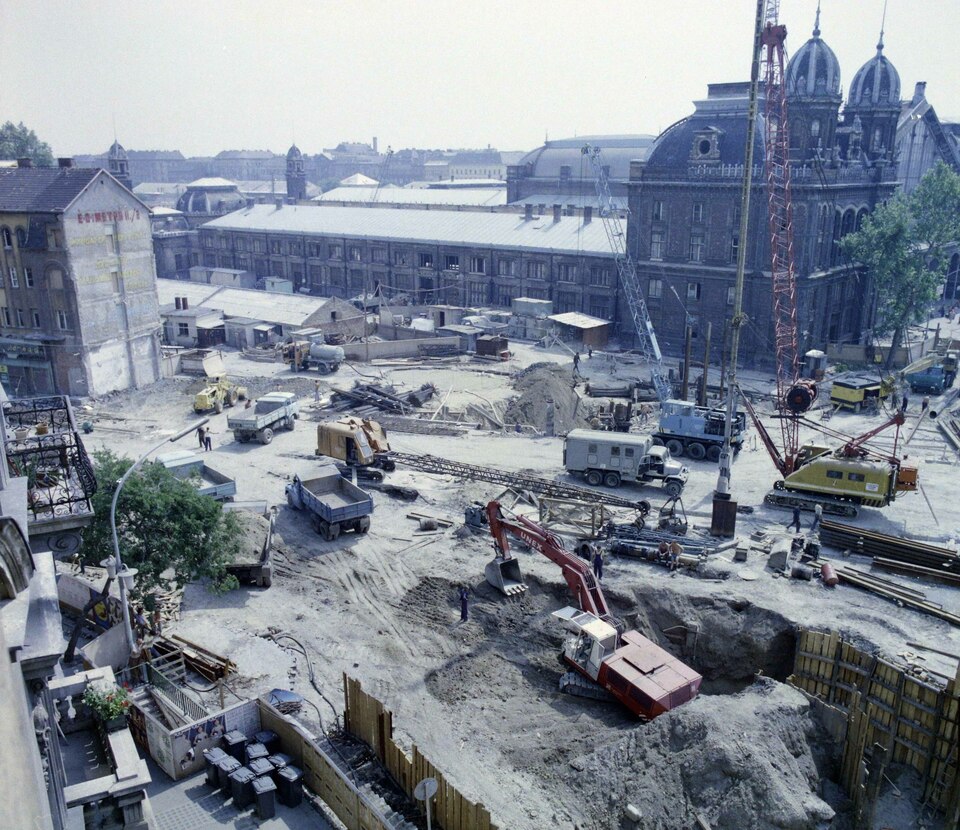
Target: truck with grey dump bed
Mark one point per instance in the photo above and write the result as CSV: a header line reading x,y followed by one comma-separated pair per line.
x,y
190,467
610,458
334,503
273,411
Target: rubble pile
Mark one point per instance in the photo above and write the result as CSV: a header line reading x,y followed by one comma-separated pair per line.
x,y
547,400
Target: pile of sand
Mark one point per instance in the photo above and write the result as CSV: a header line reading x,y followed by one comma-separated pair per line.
x,y
547,400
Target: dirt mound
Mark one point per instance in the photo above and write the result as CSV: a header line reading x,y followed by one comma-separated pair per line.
x,y
744,762
255,529
547,400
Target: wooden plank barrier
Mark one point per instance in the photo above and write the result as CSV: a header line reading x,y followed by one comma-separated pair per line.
x,y
886,707
368,719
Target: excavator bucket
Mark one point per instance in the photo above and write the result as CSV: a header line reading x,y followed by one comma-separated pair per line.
x,y
504,575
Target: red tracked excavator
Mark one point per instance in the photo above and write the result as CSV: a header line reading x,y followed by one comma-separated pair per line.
x,y
605,659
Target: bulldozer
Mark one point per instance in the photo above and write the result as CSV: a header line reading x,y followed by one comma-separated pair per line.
x,y
220,392
360,442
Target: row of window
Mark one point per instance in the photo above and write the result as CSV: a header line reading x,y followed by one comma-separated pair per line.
x,y
697,212
655,291
14,276
54,237
697,247
18,318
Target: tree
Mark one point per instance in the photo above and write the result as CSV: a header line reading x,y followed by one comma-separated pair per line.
x,y
17,141
166,529
902,247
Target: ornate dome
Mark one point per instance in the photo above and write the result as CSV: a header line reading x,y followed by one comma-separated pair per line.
x,y
116,151
877,82
294,153
211,195
814,71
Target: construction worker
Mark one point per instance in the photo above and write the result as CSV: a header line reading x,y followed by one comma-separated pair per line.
x,y
316,391
598,564
576,364
663,553
464,593
207,441
795,521
676,549
817,516
201,432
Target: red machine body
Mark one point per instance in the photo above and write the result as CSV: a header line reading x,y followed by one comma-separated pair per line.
x,y
644,677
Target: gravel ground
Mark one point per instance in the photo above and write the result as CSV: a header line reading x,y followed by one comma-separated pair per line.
x,y
480,698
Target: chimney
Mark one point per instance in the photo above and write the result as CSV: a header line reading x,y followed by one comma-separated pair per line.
x,y
250,203
64,162
919,92
25,162
185,303
376,145
176,302
541,209
556,212
571,210
587,214
528,211
278,202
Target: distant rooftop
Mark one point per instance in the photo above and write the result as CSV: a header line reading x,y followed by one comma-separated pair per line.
x,y
42,189
417,195
570,234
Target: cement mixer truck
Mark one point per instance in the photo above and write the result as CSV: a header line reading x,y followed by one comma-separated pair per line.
x,y
302,354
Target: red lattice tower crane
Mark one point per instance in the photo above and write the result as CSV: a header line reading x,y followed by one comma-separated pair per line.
x,y
794,395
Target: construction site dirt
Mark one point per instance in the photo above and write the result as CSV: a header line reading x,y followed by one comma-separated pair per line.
x,y
480,698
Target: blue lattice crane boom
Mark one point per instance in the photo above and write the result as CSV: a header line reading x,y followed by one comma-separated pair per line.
x,y
627,271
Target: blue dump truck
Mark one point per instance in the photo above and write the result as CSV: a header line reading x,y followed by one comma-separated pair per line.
x,y
190,467
931,381
335,504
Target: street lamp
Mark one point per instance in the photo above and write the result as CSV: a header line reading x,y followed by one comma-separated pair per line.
x,y
124,573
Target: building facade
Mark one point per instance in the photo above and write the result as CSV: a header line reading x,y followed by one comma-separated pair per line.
x,y
452,257
78,302
685,210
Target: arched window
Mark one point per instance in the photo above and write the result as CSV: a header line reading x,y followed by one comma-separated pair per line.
x,y
861,215
815,128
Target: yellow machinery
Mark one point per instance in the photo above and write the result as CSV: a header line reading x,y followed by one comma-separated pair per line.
x,y
219,393
858,393
357,441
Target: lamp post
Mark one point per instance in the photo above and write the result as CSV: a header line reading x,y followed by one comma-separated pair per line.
x,y
124,573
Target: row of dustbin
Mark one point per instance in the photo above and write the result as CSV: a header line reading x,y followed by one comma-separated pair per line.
x,y
254,772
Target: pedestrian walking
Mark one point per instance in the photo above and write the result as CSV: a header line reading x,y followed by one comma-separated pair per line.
x,y
576,363
904,403
598,564
316,391
207,441
201,432
817,516
464,594
795,521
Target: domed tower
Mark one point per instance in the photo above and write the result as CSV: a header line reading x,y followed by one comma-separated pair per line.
x,y
875,99
296,177
119,165
813,97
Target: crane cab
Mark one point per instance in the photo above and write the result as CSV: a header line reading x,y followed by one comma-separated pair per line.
x,y
592,640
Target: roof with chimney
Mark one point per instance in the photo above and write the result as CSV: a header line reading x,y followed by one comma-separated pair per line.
x,y
42,189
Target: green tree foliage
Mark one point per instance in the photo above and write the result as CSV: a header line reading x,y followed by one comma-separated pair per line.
x,y
167,530
902,246
17,141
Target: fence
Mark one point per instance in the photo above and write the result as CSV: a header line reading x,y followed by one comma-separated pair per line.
x,y
366,718
890,716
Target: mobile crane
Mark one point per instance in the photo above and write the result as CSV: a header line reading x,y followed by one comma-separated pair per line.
x,y
683,427
605,660
838,479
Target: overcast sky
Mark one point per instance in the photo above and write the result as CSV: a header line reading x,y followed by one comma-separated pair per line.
x,y
209,75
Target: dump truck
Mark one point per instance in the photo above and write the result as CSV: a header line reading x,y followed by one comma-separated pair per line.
x,y
303,354
931,381
188,466
611,458
697,431
359,442
335,504
273,411
253,564
218,394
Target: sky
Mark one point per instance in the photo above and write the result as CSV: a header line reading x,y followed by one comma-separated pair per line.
x,y
209,75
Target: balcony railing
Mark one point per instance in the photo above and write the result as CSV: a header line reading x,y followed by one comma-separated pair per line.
x,y
44,446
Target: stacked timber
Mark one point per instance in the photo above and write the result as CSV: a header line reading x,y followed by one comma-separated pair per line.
x,y
900,594
890,548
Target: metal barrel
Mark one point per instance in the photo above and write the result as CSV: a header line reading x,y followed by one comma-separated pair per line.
x,y
828,575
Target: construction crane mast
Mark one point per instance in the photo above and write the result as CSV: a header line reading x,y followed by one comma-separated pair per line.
x,y
627,271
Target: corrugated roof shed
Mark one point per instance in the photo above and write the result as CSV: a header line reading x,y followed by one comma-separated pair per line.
x,y
42,189
195,292
505,230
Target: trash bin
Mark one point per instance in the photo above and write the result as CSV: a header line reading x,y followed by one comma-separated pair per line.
x,y
261,766
234,742
269,738
254,751
241,787
265,797
212,757
280,760
289,786
226,765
